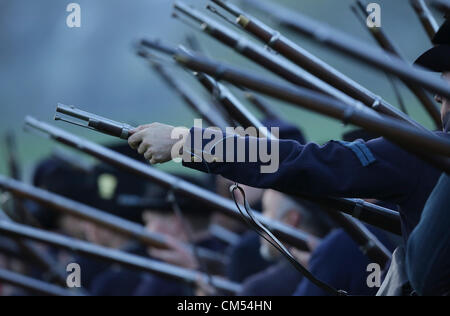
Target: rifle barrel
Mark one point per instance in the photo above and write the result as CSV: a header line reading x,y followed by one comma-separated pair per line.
x,y
257,54
346,44
385,42
29,250
214,119
116,256
76,209
318,67
426,18
33,285
420,142
94,122
211,200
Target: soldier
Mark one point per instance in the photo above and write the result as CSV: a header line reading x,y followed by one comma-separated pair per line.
x,y
428,256
375,169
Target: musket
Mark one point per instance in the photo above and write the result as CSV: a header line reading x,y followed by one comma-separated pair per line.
x,y
186,95
232,105
416,141
385,219
93,121
357,49
385,42
308,61
116,256
33,285
370,244
176,185
426,18
371,214
257,54
53,272
114,223
374,215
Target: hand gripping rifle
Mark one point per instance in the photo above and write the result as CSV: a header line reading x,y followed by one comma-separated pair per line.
x,y
372,214
176,185
432,148
369,244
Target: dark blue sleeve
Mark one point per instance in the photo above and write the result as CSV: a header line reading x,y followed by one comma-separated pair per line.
x,y
339,263
428,251
376,169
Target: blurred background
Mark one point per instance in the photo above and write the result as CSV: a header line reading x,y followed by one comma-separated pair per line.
x,y
43,62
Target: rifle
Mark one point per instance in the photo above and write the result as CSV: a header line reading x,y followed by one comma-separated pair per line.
x,y
346,44
269,61
94,122
53,272
312,64
426,18
232,105
372,214
186,95
115,256
370,244
114,223
423,143
33,285
385,42
176,185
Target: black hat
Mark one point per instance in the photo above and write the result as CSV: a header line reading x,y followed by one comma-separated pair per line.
x,y
438,58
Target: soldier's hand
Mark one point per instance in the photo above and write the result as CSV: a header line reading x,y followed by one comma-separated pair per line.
x,y
154,141
176,255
